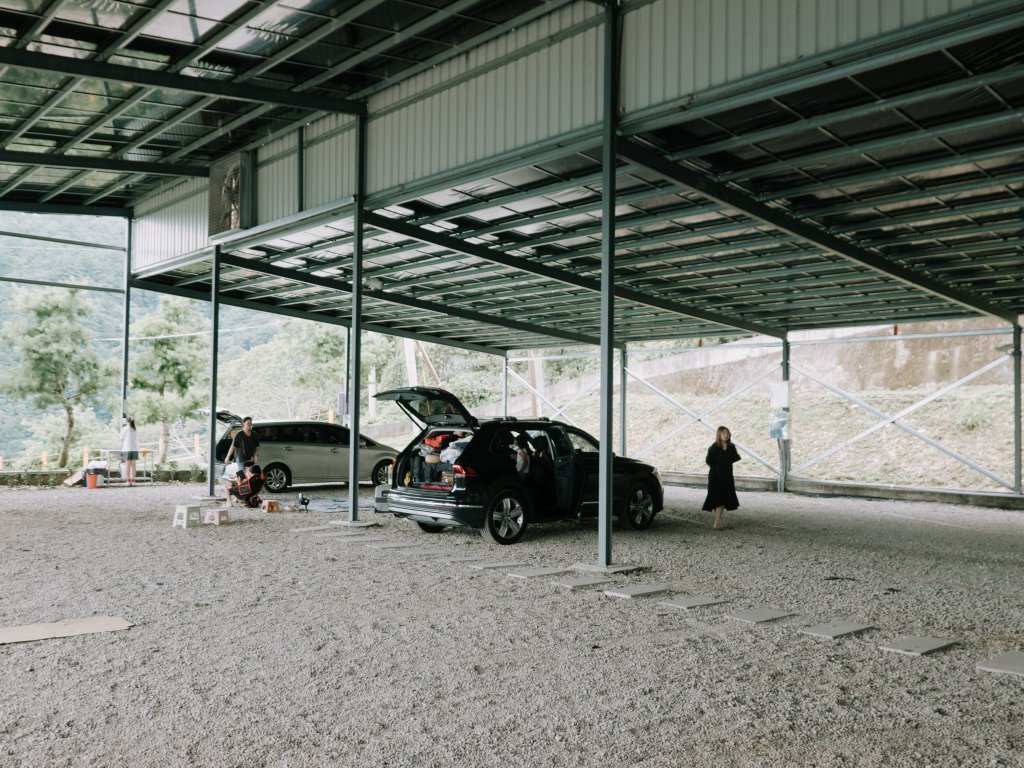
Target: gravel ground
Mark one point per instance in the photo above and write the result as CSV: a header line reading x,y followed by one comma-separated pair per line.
x,y
256,646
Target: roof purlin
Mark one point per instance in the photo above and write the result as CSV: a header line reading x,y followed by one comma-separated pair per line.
x,y
560,275
780,219
444,309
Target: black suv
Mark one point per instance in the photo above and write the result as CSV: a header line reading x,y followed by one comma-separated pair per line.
x,y
459,471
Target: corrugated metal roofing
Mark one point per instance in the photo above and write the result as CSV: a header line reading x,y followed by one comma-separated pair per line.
x,y
881,193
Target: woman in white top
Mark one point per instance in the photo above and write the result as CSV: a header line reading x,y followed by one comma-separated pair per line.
x,y
130,449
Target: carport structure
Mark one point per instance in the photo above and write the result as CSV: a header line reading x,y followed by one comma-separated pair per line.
x,y
510,175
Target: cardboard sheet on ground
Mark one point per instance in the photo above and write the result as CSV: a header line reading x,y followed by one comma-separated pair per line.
x,y
66,628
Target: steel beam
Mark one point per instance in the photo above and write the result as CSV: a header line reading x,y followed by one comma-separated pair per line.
x,y
312,316
62,241
62,209
560,275
53,284
782,220
394,298
45,160
200,86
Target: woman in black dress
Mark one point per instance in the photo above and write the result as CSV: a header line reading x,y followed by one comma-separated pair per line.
x,y
721,486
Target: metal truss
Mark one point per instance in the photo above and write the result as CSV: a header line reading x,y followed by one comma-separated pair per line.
x,y
895,420
699,418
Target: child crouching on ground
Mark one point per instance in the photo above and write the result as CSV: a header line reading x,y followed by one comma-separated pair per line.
x,y
246,487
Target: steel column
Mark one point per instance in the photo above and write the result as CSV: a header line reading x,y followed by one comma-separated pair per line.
x,y
127,313
623,380
784,455
355,346
300,169
1017,446
504,386
612,19
211,457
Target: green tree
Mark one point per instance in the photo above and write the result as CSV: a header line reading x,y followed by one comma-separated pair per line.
x,y
323,349
56,362
167,371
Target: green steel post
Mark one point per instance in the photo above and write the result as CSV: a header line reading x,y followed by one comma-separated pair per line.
x,y
211,458
355,345
609,157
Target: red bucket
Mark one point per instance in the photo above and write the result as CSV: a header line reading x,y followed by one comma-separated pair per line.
x,y
91,480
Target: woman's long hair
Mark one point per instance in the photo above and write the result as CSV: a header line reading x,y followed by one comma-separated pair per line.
x,y
723,437
131,423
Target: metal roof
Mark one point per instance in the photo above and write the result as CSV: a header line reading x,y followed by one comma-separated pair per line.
x,y
886,189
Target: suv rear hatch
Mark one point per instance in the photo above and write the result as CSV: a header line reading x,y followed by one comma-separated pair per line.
x,y
430,407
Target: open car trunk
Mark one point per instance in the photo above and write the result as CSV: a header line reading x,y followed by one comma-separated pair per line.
x,y
429,463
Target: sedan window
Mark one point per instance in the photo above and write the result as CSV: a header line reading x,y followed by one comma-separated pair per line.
x,y
337,435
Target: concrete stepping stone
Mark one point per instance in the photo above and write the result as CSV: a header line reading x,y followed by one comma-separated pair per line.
x,y
917,645
362,539
636,590
606,568
393,545
311,528
423,552
534,573
836,628
758,615
694,601
354,523
495,566
1009,663
582,582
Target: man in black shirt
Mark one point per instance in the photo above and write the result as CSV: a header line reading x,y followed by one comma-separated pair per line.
x,y
245,445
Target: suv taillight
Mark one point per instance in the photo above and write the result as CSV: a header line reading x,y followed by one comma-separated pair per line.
x,y
461,471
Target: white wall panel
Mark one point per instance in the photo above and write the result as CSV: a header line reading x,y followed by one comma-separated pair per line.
x,y
549,92
330,168
674,48
277,191
330,160
171,223
539,32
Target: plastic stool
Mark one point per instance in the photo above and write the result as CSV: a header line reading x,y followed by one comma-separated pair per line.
x,y
216,516
187,517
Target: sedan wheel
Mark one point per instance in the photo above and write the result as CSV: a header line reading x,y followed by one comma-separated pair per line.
x,y
505,521
638,512
276,478
379,476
